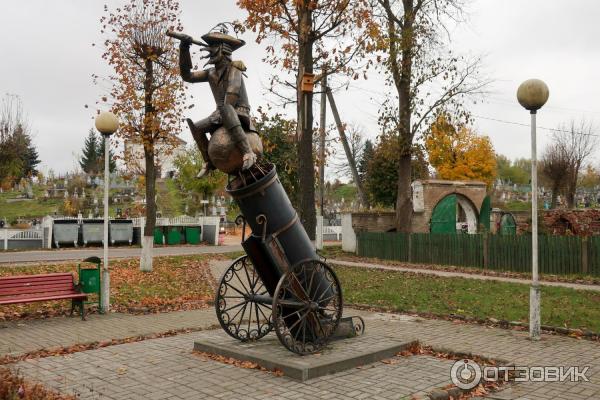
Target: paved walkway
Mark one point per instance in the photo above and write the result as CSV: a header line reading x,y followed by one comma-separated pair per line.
x,y
165,368
18,337
450,274
19,257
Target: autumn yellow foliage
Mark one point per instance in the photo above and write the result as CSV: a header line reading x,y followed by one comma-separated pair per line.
x,y
458,153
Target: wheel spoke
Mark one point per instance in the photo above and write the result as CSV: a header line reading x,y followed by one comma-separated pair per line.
x,y
234,306
300,286
248,277
328,298
260,287
312,277
237,313
297,312
325,291
242,317
240,281
228,285
296,323
260,309
319,323
250,318
257,316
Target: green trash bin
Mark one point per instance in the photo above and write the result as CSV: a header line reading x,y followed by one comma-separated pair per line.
x,y
173,235
192,234
158,235
89,279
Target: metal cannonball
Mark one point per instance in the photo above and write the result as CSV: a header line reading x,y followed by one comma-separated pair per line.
x,y
224,153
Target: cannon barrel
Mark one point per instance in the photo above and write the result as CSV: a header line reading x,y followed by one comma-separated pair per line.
x,y
278,240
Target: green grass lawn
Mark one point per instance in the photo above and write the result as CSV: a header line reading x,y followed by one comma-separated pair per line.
x,y
408,292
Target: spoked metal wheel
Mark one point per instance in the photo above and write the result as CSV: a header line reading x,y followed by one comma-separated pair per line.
x,y
242,302
307,307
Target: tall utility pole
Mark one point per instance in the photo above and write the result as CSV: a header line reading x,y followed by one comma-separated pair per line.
x,y
532,95
351,161
323,133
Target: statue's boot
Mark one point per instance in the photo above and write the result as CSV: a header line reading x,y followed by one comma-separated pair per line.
x,y
241,141
232,123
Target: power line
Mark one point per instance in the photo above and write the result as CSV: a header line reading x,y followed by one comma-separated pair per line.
x,y
512,102
539,127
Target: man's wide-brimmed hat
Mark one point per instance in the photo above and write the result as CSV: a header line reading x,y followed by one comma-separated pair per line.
x,y
217,38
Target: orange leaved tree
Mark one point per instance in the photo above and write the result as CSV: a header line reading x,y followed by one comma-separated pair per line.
x,y
146,91
303,34
458,153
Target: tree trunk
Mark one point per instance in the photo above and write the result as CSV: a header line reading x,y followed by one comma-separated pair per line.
x,y
148,239
306,165
554,197
148,143
404,198
572,185
404,207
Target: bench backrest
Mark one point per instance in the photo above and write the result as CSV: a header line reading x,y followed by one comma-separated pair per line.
x,y
33,284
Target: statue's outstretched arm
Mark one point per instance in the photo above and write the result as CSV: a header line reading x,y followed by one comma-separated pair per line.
x,y
185,66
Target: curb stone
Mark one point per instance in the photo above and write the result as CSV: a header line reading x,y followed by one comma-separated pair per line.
x,y
503,324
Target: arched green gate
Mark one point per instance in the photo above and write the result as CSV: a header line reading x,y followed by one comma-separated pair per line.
x,y
508,225
443,218
485,213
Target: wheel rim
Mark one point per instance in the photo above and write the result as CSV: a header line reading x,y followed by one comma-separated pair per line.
x,y
239,316
307,307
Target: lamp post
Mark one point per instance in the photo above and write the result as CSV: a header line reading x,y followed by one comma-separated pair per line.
x,y
107,124
532,95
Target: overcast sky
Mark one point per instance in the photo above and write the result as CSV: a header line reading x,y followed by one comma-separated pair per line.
x,y
47,58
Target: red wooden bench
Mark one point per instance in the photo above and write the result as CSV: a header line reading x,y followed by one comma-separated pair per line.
x,y
32,288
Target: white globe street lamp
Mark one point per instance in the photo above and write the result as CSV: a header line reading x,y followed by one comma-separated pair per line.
x,y
532,95
107,124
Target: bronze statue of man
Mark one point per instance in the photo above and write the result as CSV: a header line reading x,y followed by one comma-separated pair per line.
x,y
227,84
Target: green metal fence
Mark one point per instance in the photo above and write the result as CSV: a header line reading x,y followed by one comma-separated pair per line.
x,y
509,253
557,254
447,249
387,246
594,255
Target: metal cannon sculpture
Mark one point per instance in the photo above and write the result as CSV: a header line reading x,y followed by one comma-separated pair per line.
x,y
281,283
